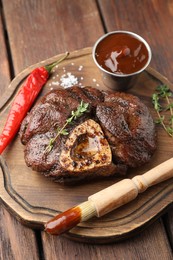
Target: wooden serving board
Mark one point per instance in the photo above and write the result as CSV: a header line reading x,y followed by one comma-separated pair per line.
x,y
33,199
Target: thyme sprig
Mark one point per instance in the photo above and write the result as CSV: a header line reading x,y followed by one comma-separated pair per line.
x,y
81,109
163,93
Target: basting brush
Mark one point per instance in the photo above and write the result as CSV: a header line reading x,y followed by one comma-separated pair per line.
x,y
109,199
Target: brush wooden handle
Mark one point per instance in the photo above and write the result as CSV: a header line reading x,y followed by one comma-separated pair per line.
x,y
126,190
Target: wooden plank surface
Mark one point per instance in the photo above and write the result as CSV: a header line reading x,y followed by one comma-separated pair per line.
x,y
37,40
168,220
144,246
4,64
16,241
47,28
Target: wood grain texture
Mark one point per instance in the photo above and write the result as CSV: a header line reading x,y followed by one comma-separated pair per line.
x,y
16,241
55,25
170,226
144,246
4,64
168,221
25,198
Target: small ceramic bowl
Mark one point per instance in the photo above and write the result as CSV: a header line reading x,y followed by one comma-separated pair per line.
x,y
121,56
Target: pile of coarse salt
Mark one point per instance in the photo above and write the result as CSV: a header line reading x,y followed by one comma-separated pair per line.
x,y
68,80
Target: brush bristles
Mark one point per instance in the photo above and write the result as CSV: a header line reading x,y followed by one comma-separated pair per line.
x,y
88,210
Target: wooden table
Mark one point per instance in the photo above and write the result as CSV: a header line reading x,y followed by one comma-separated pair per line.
x,y
34,30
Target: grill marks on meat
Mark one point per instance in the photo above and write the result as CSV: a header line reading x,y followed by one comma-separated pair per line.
x,y
125,121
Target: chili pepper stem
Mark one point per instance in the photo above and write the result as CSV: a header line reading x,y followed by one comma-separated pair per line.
x,y
52,65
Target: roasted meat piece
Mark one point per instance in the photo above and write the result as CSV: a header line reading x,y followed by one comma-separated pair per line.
x,y
128,127
115,133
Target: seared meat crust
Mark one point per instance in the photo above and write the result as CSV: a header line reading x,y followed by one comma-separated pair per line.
x,y
128,127
125,121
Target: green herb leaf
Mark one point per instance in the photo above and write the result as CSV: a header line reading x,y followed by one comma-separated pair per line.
x,y
64,132
169,130
50,146
163,94
169,106
155,100
171,120
163,90
160,120
69,120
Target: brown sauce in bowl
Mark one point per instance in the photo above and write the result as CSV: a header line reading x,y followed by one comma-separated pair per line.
x,y
121,53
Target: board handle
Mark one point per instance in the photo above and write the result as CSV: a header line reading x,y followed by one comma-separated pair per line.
x,y
126,190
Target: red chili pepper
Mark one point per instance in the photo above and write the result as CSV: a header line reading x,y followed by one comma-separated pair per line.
x,y
23,102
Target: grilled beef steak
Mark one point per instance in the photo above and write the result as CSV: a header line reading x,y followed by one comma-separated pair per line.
x,y
115,133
